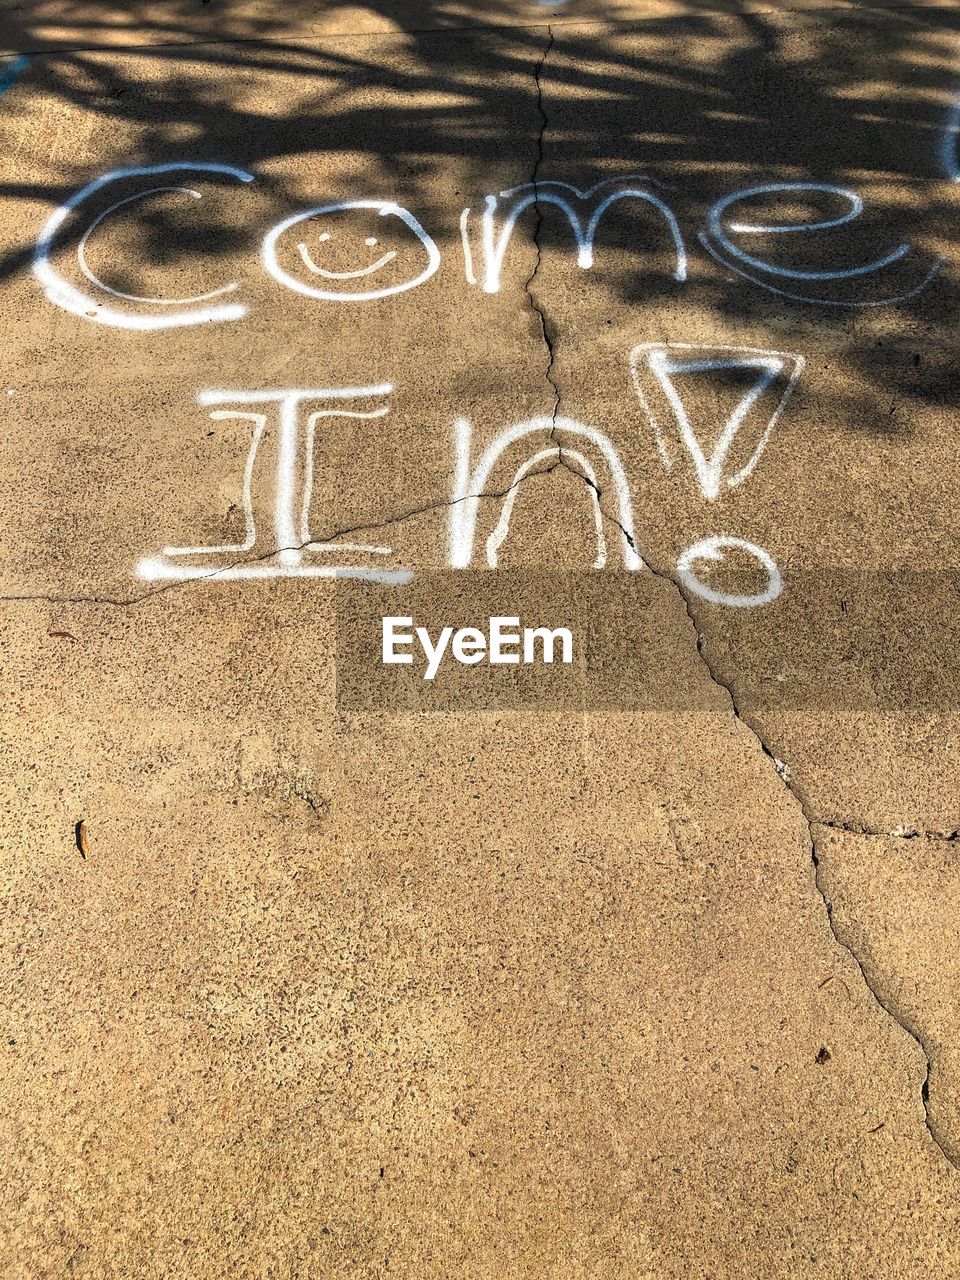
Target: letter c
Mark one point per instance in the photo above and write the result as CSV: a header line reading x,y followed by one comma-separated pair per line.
x,y
64,295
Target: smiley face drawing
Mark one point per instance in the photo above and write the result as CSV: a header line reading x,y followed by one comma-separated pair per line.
x,y
332,256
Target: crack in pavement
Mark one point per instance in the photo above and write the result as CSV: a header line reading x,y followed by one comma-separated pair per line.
x,y
781,768
125,602
945,1145
528,284
948,1149
534,303
941,1141
898,833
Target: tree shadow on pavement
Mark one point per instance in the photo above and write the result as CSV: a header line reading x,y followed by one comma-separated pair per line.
x,y
705,99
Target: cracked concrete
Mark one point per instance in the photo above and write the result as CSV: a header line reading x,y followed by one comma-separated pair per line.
x,y
331,536
890,945
535,179
580,993
941,1137
943,1140
944,1143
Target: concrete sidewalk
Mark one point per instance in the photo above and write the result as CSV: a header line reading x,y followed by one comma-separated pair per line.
x,y
635,319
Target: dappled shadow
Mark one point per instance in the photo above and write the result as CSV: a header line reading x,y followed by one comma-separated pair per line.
x,y
434,100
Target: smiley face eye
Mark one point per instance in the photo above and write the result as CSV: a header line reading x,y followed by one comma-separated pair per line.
x,y
357,283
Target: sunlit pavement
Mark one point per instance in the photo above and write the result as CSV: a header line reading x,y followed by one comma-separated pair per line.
x,y
634,321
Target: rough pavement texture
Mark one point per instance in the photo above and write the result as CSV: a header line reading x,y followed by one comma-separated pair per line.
x,y
659,985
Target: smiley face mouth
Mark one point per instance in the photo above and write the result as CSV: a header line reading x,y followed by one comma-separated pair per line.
x,y
343,275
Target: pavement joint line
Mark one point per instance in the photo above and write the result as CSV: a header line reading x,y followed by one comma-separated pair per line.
x,y
292,42
130,601
917,11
